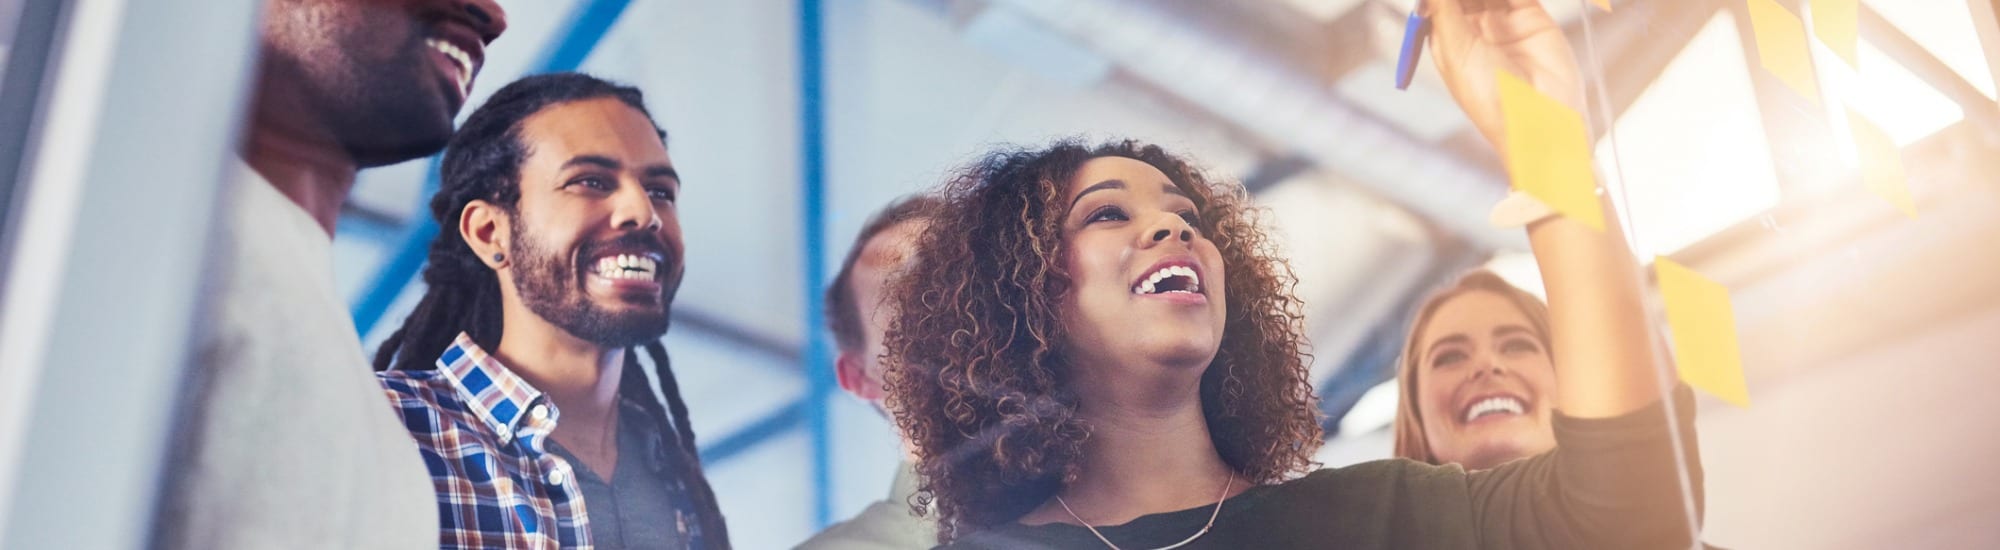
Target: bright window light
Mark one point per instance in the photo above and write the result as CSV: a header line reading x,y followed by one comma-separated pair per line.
x,y
1692,149
1945,28
1882,90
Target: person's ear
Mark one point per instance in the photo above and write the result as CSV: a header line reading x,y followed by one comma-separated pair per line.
x,y
853,377
488,230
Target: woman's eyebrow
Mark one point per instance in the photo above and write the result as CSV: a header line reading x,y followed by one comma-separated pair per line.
x,y
1505,330
1453,339
1099,186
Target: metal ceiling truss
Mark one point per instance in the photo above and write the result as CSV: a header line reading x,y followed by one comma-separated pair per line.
x,y
1260,85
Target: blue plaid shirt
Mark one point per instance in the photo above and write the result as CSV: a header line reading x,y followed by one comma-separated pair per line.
x,y
485,439
483,433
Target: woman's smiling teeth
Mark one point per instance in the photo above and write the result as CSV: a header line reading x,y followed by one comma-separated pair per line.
x,y
1173,278
1495,405
628,267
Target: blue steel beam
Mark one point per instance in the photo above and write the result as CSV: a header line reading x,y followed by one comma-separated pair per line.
x,y
411,249
572,45
587,26
778,422
812,200
369,226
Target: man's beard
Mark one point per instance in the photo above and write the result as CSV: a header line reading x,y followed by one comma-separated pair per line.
x,y
545,283
392,114
383,105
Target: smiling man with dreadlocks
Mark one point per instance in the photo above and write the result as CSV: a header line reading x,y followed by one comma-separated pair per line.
x,y
519,373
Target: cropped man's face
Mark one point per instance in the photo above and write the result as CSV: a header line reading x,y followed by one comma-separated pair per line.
x,y
384,78
886,253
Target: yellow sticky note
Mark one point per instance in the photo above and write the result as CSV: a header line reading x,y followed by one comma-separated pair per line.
x,y
1782,47
1836,22
1548,151
1606,4
1881,164
1704,330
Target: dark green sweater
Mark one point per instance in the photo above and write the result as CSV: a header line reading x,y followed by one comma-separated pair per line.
x,y
1611,483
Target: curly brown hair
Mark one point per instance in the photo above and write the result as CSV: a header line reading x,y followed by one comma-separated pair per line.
x,y
976,370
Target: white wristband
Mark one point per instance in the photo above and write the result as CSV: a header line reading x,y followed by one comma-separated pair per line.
x,y
1518,210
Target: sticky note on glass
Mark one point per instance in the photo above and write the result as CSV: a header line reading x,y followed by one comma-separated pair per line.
x,y
1548,151
1704,330
1881,164
1782,47
1835,22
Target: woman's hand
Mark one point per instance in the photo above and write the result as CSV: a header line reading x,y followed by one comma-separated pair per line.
x,y
1600,340
1472,39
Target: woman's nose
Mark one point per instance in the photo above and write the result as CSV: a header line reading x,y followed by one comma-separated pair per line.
x,y
1161,235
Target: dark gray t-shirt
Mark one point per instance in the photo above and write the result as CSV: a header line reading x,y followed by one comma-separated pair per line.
x,y
1610,483
636,508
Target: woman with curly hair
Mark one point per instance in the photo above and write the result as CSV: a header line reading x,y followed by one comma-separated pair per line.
x,y
1098,347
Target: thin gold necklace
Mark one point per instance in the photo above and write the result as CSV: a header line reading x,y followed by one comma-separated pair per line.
x,y
1226,486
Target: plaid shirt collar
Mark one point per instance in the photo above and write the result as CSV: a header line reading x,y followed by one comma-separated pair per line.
x,y
510,406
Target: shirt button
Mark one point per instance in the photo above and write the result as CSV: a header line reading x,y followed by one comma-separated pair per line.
x,y
556,477
540,412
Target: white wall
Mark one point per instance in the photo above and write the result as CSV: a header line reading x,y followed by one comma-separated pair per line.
x,y
1886,448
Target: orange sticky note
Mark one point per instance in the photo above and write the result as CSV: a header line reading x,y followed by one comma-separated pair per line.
x,y
1836,22
1881,164
1548,151
1704,330
1606,4
1782,47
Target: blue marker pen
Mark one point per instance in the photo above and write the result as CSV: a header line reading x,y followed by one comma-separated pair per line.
x,y
1414,34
